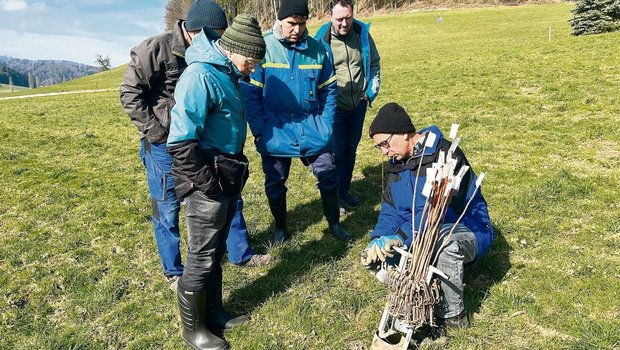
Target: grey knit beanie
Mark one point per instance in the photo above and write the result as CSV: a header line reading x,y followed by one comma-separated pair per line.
x,y
205,13
244,37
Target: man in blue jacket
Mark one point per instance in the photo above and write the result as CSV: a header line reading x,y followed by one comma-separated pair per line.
x,y
207,132
356,62
395,135
291,101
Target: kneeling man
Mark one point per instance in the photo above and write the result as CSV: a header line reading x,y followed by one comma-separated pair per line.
x,y
395,136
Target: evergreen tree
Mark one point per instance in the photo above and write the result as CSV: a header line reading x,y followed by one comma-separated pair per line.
x,y
596,16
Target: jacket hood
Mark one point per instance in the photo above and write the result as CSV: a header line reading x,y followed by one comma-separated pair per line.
x,y
204,49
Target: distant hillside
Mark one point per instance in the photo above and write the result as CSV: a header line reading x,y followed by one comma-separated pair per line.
x,y
30,73
108,80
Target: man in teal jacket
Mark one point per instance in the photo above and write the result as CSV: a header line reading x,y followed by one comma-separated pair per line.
x,y
356,61
291,101
207,132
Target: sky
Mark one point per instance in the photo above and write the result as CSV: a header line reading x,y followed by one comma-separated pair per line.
x,y
77,30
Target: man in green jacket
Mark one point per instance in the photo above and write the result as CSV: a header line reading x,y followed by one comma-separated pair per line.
x,y
356,63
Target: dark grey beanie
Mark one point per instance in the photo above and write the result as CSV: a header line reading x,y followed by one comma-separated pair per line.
x,y
244,37
391,119
289,8
205,13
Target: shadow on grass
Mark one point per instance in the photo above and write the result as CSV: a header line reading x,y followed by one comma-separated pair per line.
x,y
487,272
298,259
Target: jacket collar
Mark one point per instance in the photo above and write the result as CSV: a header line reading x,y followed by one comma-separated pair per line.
x,y
178,40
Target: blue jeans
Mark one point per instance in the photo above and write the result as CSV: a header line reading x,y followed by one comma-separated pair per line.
x,y
239,250
277,170
208,222
165,215
165,206
348,127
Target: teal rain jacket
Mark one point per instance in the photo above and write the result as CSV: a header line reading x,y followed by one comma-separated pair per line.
x,y
209,105
208,117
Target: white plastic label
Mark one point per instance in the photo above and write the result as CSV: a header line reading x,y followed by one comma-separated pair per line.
x,y
455,144
430,140
480,178
441,160
453,130
426,191
431,174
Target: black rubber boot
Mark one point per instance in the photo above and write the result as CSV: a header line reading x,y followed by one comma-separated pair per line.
x,y
331,209
278,210
219,319
193,308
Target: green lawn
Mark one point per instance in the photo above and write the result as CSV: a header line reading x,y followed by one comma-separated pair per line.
x,y
79,269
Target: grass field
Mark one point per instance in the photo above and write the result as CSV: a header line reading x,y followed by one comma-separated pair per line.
x,y
78,266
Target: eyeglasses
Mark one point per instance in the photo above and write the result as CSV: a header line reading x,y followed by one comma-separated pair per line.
x,y
251,62
385,143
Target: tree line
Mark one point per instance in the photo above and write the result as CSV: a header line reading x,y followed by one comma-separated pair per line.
x,y
266,10
591,16
37,73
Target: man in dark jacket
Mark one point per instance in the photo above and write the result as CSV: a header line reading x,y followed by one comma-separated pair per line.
x,y
147,96
291,100
395,135
356,62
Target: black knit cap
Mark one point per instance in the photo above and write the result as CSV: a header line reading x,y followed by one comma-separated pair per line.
x,y
391,119
205,13
244,37
290,8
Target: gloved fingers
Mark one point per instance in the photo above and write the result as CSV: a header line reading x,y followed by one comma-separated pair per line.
x,y
375,253
372,255
381,254
387,251
372,243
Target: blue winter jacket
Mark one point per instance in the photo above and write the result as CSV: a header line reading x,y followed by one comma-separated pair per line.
x,y
370,55
291,99
208,117
395,216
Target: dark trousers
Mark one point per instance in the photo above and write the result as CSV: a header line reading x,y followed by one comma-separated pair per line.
x,y
208,222
348,127
277,169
